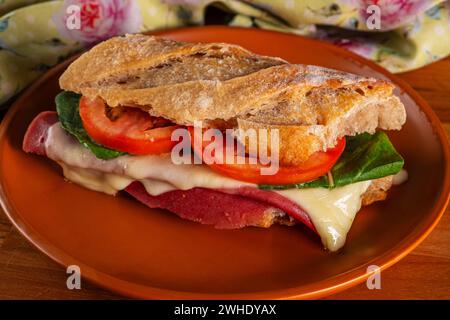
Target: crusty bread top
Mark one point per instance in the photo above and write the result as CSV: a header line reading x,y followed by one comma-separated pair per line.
x,y
223,84
140,62
185,82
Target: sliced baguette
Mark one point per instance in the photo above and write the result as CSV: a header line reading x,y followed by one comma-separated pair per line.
x,y
225,85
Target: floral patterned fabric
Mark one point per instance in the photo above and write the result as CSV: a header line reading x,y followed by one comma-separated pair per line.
x,y
34,34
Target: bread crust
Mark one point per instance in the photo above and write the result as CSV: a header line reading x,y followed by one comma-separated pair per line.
x,y
310,106
377,190
299,141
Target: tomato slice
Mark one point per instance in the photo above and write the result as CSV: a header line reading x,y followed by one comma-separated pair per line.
x,y
126,129
317,165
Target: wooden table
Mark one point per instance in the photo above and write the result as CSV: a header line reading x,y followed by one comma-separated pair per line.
x,y
26,273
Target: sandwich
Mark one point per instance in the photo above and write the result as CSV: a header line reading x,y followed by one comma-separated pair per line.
x,y
222,136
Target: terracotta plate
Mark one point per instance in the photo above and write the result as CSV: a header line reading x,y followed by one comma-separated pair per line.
x,y
124,246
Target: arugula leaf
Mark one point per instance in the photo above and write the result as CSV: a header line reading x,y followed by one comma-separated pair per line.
x,y
365,157
67,107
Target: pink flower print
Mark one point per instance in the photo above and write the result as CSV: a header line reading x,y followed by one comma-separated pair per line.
x,y
99,19
394,13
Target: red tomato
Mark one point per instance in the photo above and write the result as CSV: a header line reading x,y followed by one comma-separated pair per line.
x,y
317,165
126,129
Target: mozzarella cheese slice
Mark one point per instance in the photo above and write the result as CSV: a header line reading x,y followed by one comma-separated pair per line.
x,y
332,211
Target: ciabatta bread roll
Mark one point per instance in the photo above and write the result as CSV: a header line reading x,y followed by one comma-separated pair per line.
x,y
225,85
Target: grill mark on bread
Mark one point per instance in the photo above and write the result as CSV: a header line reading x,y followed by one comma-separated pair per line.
x,y
133,59
198,66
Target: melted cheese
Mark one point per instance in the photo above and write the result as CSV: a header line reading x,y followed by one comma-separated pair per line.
x,y
332,211
63,148
400,177
96,180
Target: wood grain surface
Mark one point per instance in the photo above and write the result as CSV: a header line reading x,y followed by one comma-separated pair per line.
x,y
26,273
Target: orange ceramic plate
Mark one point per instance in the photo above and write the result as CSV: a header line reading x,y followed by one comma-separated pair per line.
x,y
126,247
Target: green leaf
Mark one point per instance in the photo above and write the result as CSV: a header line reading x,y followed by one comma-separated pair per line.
x,y
67,106
366,157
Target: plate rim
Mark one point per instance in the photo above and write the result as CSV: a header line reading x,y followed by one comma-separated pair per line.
x,y
318,289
